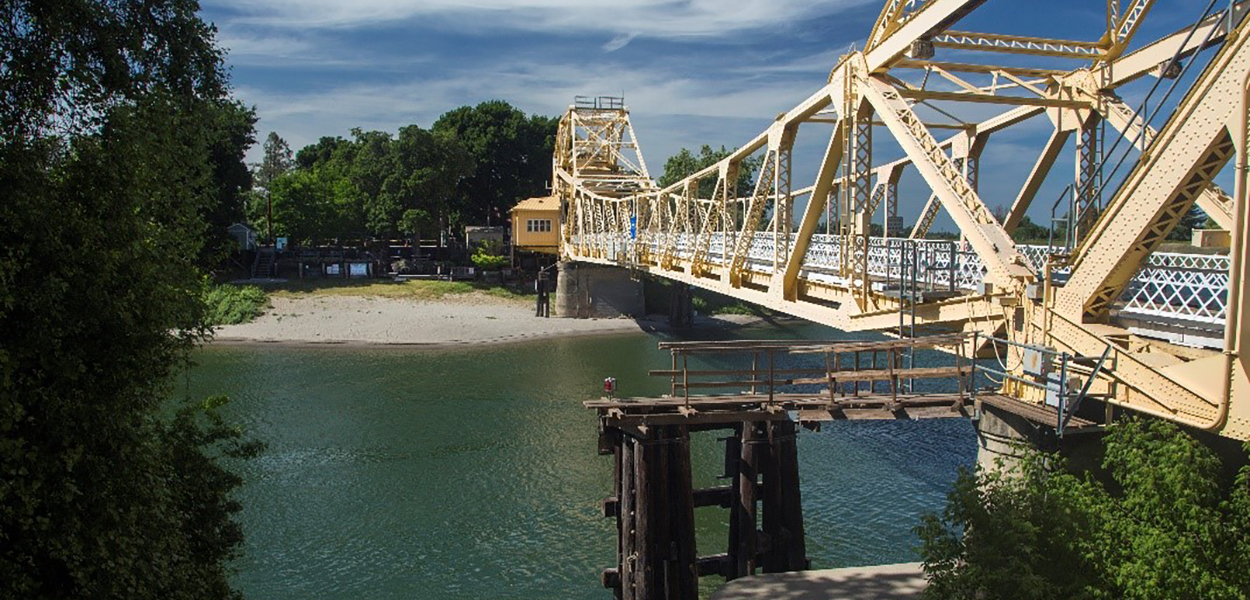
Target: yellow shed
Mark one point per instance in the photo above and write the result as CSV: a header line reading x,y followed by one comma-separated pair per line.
x,y
536,224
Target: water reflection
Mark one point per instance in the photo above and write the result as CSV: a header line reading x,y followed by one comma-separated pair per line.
x,y
473,473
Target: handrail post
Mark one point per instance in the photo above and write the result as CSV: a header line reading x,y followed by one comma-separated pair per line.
x,y
1063,391
685,376
771,376
959,368
755,370
972,357
672,391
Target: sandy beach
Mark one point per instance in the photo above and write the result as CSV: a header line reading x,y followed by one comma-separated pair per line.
x,y
464,320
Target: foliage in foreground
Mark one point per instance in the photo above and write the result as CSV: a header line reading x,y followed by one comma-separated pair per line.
x,y
1167,529
227,304
121,161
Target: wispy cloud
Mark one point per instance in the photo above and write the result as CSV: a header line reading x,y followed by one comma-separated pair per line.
x,y
619,42
304,116
648,18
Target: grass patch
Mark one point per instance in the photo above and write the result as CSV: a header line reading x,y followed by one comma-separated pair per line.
x,y
658,293
741,308
411,289
232,304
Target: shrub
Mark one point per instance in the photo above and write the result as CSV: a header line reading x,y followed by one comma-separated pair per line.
x,y
231,304
1167,529
487,259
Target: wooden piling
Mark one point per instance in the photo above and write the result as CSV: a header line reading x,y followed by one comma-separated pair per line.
x,y
782,502
628,524
742,522
644,532
684,559
660,515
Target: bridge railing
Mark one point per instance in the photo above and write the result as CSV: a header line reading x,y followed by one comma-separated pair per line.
x,y
1184,287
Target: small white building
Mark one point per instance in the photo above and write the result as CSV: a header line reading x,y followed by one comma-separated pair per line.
x,y
475,235
244,235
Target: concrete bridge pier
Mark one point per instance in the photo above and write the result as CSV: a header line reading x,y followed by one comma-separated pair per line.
x,y
1001,433
589,291
681,308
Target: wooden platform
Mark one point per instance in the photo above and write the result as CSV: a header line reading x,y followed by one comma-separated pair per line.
x,y
1038,413
711,410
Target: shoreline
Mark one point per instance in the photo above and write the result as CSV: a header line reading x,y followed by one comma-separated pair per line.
x,y
439,345
357,322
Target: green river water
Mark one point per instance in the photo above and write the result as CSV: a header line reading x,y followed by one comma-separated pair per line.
x,y
472,473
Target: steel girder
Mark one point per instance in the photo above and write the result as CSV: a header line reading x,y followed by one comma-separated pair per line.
x,y
751,247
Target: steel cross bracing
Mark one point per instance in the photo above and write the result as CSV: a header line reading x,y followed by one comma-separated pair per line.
x,y
1105,291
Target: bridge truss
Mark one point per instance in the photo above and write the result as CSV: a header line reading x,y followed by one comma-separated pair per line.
x,y
1073,297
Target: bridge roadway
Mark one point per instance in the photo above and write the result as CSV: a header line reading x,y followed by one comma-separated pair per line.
x,y
1180,297
1120,322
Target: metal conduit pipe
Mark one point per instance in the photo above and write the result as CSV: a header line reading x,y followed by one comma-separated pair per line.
x,y
1232,334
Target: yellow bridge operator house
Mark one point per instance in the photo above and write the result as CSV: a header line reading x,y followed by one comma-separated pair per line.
x,y
535,225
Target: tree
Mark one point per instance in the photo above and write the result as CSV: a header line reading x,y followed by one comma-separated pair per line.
x,y
1166,530
231,134
430,166
120,148
1000,212
1194,219
685,163
326,150
371,166
1028,231
309,205
512,153
277,161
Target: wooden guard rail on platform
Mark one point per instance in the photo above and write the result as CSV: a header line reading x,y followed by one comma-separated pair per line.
x,y
844,372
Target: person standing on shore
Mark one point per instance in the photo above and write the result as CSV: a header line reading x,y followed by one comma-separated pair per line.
x,y
543,308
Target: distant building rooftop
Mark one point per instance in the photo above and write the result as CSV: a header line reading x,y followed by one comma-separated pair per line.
x,y
539,203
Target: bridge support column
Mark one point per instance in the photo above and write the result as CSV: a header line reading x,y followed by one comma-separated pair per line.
x,y
681,307
1001,433
586,291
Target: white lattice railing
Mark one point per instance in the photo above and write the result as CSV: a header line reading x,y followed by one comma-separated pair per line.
x,y
1185,287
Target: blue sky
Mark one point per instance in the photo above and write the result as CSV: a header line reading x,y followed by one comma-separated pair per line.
x,y
693,72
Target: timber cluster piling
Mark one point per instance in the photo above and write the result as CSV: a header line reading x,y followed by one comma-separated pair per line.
x,y
654,499
654,510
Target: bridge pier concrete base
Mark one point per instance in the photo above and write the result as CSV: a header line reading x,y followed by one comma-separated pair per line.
x,y
1001,436
587,291
681,309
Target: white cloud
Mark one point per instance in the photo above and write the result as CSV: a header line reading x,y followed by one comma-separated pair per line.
x,y
246,48
619,42
303,117
648,18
